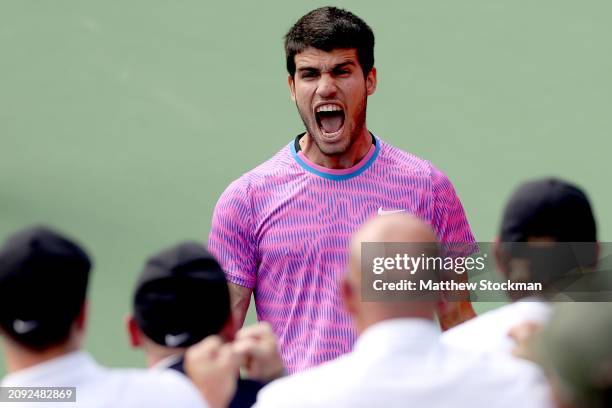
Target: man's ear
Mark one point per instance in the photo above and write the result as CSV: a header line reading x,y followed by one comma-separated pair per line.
x,y
371,81
81,319
347,292
134,334
501,258
291,83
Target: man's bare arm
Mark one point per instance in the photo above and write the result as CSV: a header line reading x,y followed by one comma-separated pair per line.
x,y
240,298
455,306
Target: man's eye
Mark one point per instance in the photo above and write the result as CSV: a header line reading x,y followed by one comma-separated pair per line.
x,y
343,72
308,74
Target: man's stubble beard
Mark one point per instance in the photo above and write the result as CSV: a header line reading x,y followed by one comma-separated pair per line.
x,y
354,134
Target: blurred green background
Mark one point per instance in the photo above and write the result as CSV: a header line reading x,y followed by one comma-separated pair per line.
x,y
122,122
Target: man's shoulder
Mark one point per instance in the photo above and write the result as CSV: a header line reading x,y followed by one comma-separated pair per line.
x,y
406,164
395,157
101,386
152,388
297,389
280,166
280,163
499,375
510,380
479,332
489,331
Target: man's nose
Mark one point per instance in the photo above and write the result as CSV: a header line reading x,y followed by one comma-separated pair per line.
x,y
326,87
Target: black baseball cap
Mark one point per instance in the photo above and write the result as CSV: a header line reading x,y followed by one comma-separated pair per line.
x,y
181,296
548,207
43,285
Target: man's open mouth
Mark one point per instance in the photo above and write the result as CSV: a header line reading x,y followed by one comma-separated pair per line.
x,y
330,118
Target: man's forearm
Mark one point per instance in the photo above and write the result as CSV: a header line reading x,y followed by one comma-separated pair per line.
x,y
455,306
240,298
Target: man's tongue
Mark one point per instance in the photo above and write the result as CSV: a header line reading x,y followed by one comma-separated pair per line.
x,y
332,122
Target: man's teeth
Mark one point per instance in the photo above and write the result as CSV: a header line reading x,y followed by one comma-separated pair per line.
x,y
329,108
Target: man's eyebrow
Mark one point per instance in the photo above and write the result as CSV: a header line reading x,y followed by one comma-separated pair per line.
x,y
307,68
335,67
343,64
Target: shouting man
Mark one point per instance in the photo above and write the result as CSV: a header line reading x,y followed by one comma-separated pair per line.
x,y
282,229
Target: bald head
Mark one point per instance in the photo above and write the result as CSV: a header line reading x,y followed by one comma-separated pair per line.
x,y
395,228
389,228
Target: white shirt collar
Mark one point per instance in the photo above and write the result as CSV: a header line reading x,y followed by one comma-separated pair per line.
x,y
394,335
167,362
77,363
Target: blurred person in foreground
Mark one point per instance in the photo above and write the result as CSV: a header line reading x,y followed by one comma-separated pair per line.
x,y
540,218
43,284
575,350
182,297
398,359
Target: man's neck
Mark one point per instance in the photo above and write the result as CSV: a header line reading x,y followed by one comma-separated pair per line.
x,y
348,159
154,358
367,320
19,358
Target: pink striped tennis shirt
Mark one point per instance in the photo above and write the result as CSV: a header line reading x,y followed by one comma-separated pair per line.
x,y
283,229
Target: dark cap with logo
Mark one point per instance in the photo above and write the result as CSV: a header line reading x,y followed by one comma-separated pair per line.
x,y
43,284
548,208
181,296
